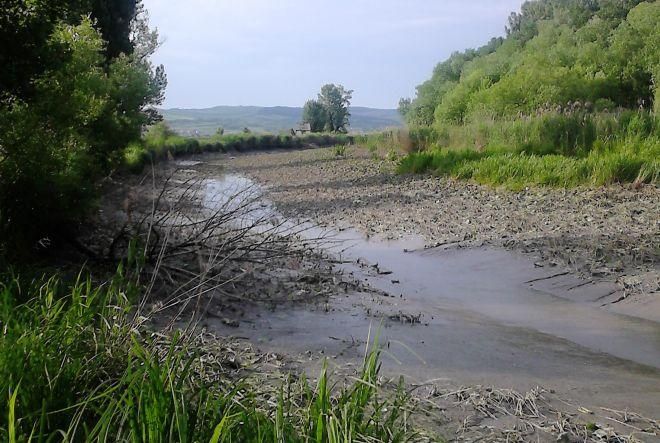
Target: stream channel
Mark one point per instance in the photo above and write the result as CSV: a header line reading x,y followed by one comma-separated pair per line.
x,y
464,316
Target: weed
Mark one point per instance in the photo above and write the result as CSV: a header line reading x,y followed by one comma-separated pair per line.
x,y
552,150
392,155
625,162
340,151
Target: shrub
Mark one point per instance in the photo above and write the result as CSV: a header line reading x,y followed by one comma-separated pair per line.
x,y
285,141
59,140
135,157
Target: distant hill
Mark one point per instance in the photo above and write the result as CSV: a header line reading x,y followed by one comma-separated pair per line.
x,y
261,119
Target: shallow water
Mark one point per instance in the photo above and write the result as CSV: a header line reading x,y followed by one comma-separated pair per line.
x,y
493,283
485,316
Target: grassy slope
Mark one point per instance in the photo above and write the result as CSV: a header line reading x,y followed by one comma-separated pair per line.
x,y
260,119
556,103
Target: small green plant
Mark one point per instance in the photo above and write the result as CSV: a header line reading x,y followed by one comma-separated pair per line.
x,y
340,151
392,155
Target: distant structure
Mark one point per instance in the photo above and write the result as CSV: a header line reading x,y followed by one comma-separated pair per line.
x,y
303,129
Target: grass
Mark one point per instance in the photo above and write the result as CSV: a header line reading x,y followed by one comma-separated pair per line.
x,y
627,162
556,151
160,142
340,150
76,364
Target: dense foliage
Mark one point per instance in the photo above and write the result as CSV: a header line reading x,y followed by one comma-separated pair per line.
x,y
330,111
569,97
74,91
314,113
594,54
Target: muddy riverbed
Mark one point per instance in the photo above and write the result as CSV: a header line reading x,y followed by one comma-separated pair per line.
x,y
471,291
543,287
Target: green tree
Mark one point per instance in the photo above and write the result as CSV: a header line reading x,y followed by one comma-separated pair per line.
x,y
404,106
26,28
557,52
336,101
314,114
67,109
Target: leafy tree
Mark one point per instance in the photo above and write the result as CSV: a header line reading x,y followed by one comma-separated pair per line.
x,y
68,107
445,77
404,106
557,52
616,10
642,26
314,113
336,101
26,27
116,19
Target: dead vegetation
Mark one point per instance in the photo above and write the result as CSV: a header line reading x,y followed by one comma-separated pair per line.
x,y
479,413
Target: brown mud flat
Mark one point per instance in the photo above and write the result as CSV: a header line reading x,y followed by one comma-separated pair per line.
x,y
606,236
577,312
453,322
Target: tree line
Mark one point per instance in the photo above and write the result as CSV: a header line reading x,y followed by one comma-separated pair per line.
x,y
600,54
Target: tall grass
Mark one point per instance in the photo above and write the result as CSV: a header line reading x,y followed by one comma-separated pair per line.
x,y
76,365
551,150
399,140
633,160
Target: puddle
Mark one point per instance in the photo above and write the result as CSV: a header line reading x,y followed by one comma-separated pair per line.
x,y
235,193
496,284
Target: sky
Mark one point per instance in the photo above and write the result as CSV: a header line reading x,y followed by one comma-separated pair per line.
x,y
280,52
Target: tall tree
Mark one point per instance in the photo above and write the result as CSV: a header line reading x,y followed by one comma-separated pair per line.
x,y
314,114
336,101
114,18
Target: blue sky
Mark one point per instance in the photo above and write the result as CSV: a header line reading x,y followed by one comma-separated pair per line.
x,y
280,52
